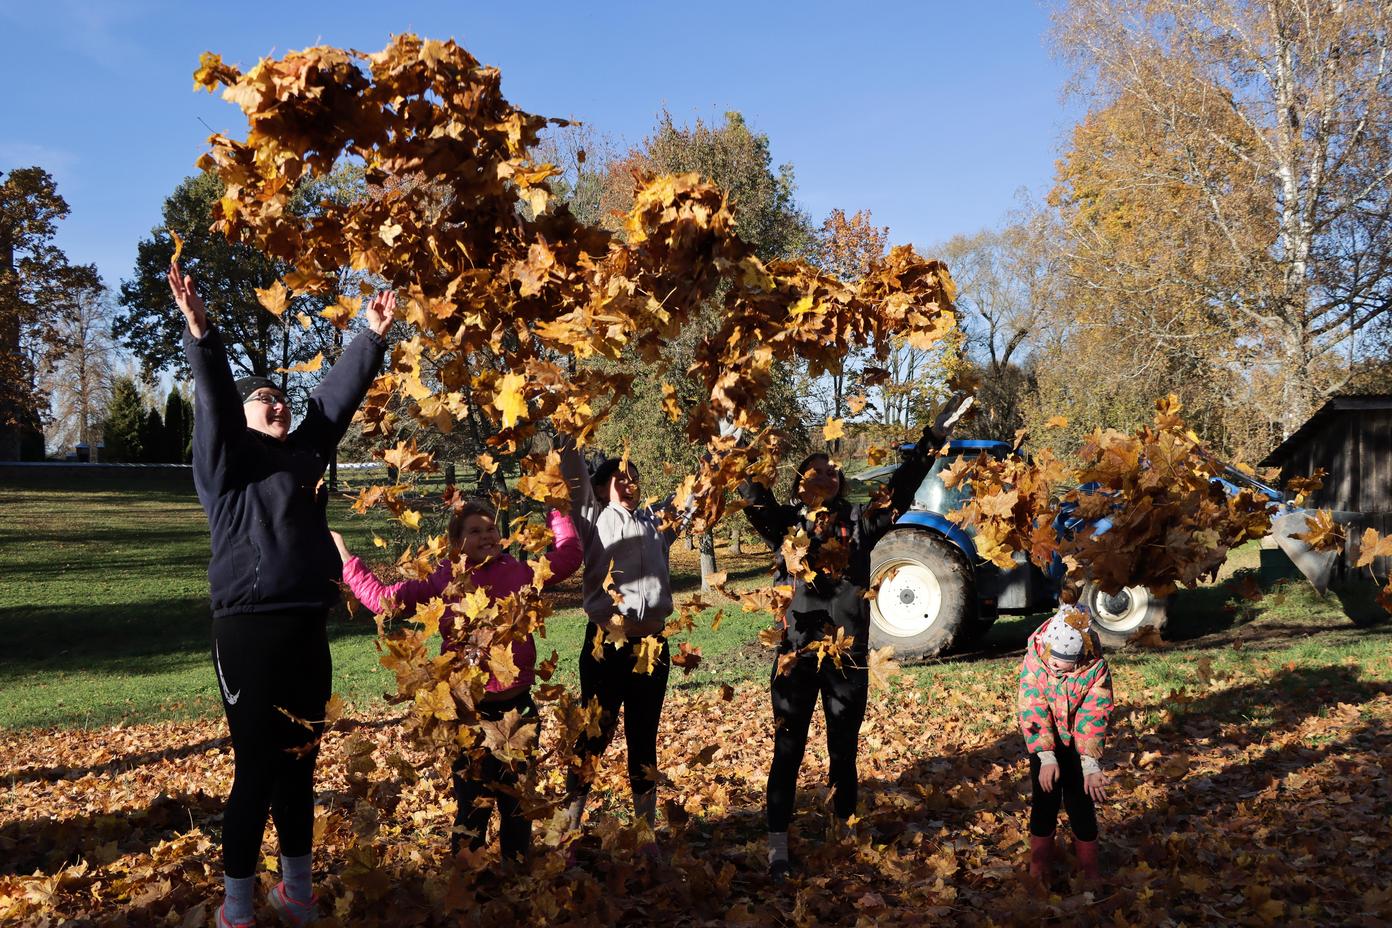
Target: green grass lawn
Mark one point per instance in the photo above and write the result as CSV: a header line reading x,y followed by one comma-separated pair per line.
x,y
104,609
104,615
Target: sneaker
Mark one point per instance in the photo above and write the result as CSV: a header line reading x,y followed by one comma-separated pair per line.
x,y
292,911
224,922
779,871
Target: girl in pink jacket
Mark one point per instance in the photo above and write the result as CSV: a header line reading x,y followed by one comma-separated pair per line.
x,y
473,534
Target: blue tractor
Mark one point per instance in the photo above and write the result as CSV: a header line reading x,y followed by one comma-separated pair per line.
x,y
933,592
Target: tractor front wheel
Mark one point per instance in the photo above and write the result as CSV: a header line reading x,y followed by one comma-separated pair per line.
x,y
923,593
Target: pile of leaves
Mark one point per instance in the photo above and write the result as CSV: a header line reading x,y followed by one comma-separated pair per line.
x,y
1253,797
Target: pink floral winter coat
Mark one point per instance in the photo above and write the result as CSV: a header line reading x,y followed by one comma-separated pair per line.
x,y
1065,708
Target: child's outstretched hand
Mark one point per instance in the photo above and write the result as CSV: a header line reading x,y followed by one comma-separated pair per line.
x,y
1094,784
1048,776
339,543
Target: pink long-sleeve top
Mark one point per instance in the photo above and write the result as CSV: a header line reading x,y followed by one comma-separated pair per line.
x,y
501,577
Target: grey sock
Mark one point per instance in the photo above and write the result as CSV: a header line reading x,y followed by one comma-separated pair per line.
x,y
777,846
241,891
298,874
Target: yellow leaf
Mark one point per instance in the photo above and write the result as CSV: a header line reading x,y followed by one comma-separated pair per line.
x,y
304,320
178,246
646,655
429,614
389,231
304,367
334,709
437,703
410,518
834,429
275,298
501,665
856,403
379,541
508,399
883,667
486,463
1056,422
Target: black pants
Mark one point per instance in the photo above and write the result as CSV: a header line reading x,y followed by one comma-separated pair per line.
x,y
1068,791
486,777
615,683
794,694
267,662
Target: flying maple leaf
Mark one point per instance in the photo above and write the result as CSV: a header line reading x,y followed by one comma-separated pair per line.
x,y
304,367
508,399
687,658
883,667
834,429
275,298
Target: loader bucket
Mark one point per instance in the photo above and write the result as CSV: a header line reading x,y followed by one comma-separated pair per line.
x,y
1317,566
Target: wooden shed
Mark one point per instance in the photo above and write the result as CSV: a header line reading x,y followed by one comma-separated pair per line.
x,y
1350,438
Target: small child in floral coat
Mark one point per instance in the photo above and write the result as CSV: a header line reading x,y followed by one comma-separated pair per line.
x,y
1064,702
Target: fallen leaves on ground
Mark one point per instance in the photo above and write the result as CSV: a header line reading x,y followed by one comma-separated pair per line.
x,y
1258,799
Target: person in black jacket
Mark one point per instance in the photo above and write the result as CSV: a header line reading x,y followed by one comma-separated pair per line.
x,y
273,577
839,539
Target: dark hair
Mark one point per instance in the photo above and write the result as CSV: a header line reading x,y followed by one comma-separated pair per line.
x,y
474,507
802,469
604,472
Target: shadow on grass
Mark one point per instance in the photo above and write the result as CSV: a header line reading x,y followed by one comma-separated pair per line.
x,y
130,638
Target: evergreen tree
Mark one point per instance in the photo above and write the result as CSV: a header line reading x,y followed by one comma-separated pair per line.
x,y
125,421
178,428
152,438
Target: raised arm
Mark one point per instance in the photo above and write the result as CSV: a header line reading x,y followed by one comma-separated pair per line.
x,y
770,519
373,593
566,553
904,482
219,424
340,393
584,505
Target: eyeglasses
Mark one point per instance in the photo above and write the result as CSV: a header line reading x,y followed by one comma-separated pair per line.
x,y
269,399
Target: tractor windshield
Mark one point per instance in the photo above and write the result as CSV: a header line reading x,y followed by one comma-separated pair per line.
x,y
932,496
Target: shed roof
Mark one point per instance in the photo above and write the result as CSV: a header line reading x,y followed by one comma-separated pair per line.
x,y
1332,407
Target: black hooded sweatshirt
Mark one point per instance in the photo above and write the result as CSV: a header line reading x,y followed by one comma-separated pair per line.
x,y
270,534
830,602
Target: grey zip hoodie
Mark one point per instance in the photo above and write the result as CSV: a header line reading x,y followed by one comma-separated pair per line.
x,y
631,542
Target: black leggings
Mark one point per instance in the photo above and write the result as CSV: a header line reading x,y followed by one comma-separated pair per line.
x,y
265,662
487,777
794,694
1068,791
615,683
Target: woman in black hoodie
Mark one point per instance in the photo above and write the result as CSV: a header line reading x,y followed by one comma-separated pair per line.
x,y
840,537
273,577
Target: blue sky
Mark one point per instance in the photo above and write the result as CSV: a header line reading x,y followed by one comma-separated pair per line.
x,y
931,114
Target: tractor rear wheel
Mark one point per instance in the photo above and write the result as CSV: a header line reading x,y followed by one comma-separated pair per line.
x,y
924,593
1117,617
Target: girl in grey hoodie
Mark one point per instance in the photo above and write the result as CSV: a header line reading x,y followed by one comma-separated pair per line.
x,y
621,538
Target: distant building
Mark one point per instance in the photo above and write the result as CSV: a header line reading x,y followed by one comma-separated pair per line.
x,y
1350,438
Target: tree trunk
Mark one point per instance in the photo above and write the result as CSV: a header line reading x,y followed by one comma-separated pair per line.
x,y
707,560
736,546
